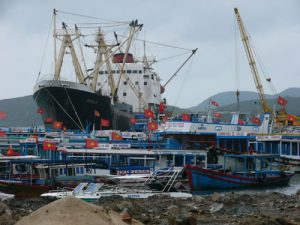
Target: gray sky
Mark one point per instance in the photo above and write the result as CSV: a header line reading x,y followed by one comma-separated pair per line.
x,y
209,25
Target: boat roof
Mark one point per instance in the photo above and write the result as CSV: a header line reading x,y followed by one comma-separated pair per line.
x,y
253,156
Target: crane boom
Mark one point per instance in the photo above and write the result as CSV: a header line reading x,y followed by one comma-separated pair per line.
x,y
252,64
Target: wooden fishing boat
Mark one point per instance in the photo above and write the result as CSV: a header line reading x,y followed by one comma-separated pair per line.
x,y
241,171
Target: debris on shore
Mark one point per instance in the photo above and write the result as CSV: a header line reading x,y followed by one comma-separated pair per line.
x,y
230,208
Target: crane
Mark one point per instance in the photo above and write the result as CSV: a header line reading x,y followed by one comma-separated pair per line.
x,y
283,118
252,64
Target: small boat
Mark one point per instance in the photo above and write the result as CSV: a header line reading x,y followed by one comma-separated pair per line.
x,y
241,171
19,176
91,192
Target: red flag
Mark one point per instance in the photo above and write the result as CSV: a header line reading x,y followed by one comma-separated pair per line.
x,y
281,101
96,113
116,137
291,118
241,122
218,115
104,123
152,126
164,118
57,125
133,120
11,152
161,107
40,110
3,115
148,113
48,120
186,117
3,134
214,103
255,120
90,143
49,146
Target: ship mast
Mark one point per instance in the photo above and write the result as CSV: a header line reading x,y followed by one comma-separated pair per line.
x,y
67,42
54,36
135,27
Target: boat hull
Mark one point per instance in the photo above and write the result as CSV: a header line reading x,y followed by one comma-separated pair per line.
x,y
204,179
75,106
23,190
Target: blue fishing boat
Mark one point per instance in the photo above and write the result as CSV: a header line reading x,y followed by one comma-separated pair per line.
x,y
239,171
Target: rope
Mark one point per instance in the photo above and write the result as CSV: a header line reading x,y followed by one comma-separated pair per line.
x,y
63,109
157,43
45,48
91,17
263,69
182,84
74,109
170,57
237,56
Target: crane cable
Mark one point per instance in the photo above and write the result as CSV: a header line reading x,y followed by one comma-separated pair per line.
x,y
182,84
237,61
264,70
45,48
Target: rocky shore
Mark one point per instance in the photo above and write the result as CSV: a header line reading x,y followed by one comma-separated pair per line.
x,y
230,208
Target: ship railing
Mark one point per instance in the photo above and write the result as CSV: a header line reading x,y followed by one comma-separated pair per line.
x,y
50,76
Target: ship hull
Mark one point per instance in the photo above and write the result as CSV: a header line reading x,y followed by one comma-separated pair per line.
x,y
77,107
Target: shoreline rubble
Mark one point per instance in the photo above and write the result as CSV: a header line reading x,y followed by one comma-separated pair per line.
x,y
226,208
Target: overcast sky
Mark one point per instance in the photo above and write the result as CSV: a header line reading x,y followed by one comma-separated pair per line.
x,y
209,25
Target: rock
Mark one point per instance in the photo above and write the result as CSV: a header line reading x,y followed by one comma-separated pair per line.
x,y
181,219
215,207
198,198
216,197
126,217
144,218
5,215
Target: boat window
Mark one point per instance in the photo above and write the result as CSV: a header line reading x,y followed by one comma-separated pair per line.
x,y
117,71
152,77
124,93
145,83
79,188
140,71
106,72
285,148
113,71
134,71
136,83
128,71
91,188
125,82
146,76
101,72
294,149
